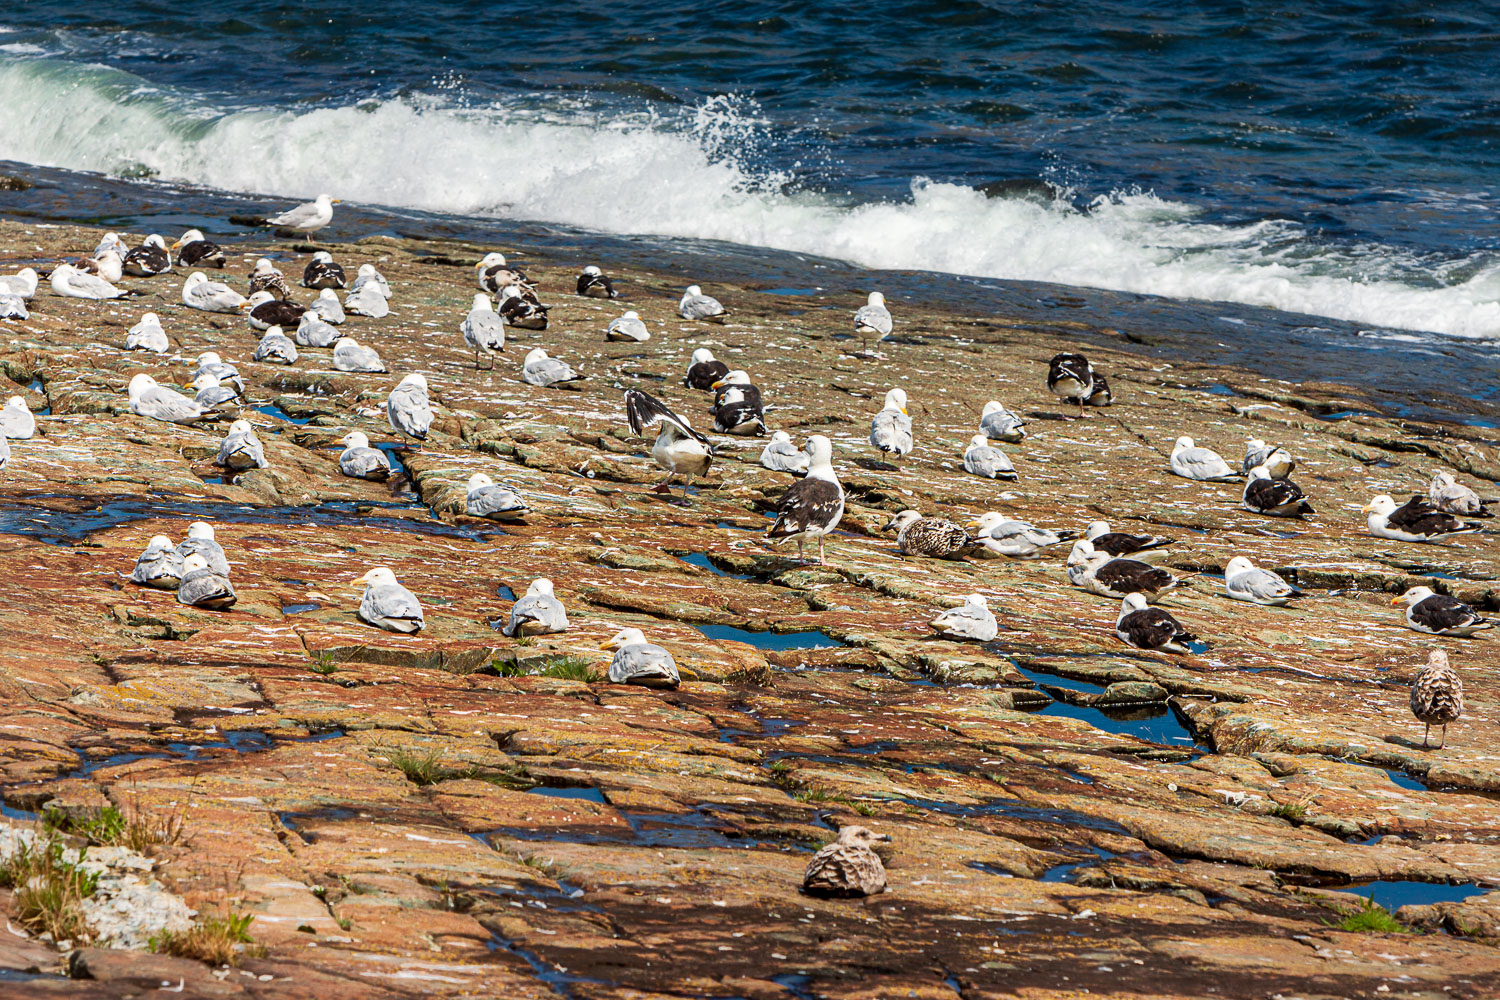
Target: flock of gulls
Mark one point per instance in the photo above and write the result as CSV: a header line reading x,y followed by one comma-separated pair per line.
x,y
1101,561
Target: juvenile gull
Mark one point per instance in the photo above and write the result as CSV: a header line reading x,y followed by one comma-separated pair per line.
x,y
483,330
159,566
313,331
266,277
489,500
538,612
1439,614
69,282
203,587
322,272
1110,576
737,407
813,506
200,541
971,620
388,605
1192,462
781,455
212,393
147,260
1437,696
930,536
848,867
1150,628
147,335
1244,581
327,306
890,430
160,403
193,250
629,327
408,408
23,283
983,460
266,311
1120,543
703,370
308,217
275,347
595,284
359,461
108,265
1274,497
520,308
209,362
1000,424
1450,496
211,296
999,536
241,449
493,273
1070,378
696,305
539,369
351,356
368,277
13,307
367,301
17,421
1277,461
679,449
1414,521
637,661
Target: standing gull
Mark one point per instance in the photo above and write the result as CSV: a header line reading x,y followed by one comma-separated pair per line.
x,y
1414,521
696,305
637,661
890,430
1110,576
1150,628
629,327
704,370
848,867
1244,581
1192,462
540,369
388,605
872,321
1439,614
999,536
679,449
1070,377
211,296
1120,543
1450,496
203,587
483,330
487,499
69,282
737,407
308,217
351,356
930,536
195,251
983,460
1437,696
1274,497
200,541
538,612
16,420
276,348
241,449
322,272
160,403
359,461
996,422
147,335
159,566
595,284
409,409
1277,461
781,455
972,620
813,506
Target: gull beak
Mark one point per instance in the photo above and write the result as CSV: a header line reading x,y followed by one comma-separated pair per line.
x,y
607,645
903,410
336,201
973,524
1398,600
1365,509
363,579
717,384
176,245
245,307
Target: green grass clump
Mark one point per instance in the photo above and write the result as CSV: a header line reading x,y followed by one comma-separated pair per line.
x,y
215,940
419,768
568,668
1372,918
1292,812
323,664
134,827
49,889
425,768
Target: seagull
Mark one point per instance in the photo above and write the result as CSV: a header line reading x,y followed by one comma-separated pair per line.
x,y
388,605
848,867
696,305
351,356
147,335
1439,614
359,461
111,243
1110,576
679,449
595,284
266,311
159,566
211,296
703,370
637,661
212,394
4,452
1119,543
16,420
13,307
200,541
872,321
1277,461
322,272
1191,462
1244,581
630,328
107,265
498,503
813,506
241,449
203,587
327,306
999,536
368,277
983,460
890,430
781,455
1071,377
1437,696
493,273
151,400
539,368
972,619
737,408
210,362
367,301
930,536
195,251
1450,496
408,407
308,217
22,284
69,282
275,347
537,612
313,331
1150,628
1274,497
149,259
1414,521
521,308
266,277
1000,424
483,330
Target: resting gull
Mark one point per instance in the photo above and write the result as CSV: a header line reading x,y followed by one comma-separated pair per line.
x,y
266,277
313,331
159,566
367,301
595,284
629,327
813,506
1121,543
211,296
737,407
489,500
637,661
520,308
359,461
983,460
890,430
23,283
13,307
111,243
203,587
1450,496
160,403
998,423
322,272
781,455
1192,462
241,449
540,369
368,277
483,330
493,273
930,536
1437,696
349,355
149,259
212,393
1111,576
388,605
703,370
16,420
108,265
696,305
328,306
972,620
679,449
538,612
1414,521
4,452
200,541
409,409
1277,461
193,250
308,217
848,867
69,282
1274,497
1439,614
1244,581
210,362
999,536
275,347
147,335
266,311
1150,628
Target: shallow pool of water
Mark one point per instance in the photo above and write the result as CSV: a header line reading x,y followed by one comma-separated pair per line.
x,y
771,640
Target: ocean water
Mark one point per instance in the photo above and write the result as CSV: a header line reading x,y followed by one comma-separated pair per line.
x,y
1336,163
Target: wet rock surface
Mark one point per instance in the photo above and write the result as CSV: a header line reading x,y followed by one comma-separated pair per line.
x,y
1068,815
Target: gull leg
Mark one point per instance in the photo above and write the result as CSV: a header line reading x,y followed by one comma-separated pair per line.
x,y
821,560
1443,740
800,556
1426,729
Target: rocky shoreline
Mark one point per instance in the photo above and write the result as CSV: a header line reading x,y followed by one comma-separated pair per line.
x,y
457,813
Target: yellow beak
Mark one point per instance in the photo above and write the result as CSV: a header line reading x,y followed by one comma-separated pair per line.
x,y
1365,509
1398,600
903,410
717,384
336,201
176,245
245,307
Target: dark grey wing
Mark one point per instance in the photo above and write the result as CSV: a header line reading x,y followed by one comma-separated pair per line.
x,y
642,410
1269,493
705,373
807,503
1152,629
1120,543
1440,612
1130,576
1069,366
1419,517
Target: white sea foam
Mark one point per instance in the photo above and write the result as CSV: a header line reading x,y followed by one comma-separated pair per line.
x,y
638,174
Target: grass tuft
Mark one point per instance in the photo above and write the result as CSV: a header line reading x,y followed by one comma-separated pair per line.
x,y
568,668
215,940
1372,918
1292,812
426,769
420,768
134,827
49,889
323,664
